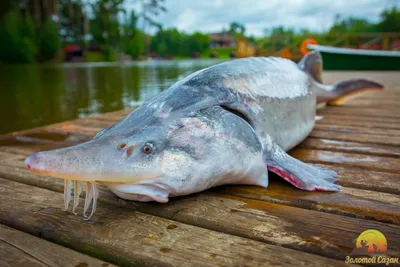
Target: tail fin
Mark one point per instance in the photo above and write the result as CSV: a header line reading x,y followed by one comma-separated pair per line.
x,y
339,93
312,65
335,94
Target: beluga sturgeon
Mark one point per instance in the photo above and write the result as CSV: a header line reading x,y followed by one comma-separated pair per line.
x,y
230,123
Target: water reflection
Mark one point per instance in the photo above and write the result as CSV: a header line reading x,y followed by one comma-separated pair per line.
x,y
32,96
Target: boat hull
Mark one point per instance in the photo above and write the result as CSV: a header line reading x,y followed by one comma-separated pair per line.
x,y
359,62
335,58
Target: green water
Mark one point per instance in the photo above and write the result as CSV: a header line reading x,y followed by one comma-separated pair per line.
x,y
32,96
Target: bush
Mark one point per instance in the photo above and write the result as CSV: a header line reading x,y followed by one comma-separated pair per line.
x,y
18,38
136,45
49,40
92,56
220,52
109,54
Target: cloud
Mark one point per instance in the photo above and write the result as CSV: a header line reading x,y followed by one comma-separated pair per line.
x,y
188,19
256,15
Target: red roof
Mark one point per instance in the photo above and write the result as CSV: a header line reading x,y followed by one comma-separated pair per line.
x,y
72,48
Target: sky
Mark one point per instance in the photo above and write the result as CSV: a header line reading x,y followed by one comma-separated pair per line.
x,y
316,15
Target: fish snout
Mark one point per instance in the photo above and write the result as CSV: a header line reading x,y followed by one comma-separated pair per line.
x,y
40,162
33,161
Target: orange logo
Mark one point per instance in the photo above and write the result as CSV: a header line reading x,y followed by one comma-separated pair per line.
x,y
371,248
371,241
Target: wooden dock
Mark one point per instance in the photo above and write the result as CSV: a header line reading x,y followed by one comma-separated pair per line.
x,y
225,226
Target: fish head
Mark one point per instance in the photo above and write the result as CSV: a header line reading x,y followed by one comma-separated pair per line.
x,y
119,157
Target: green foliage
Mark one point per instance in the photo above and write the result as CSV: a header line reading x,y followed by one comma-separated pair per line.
x,y
280,37
49,40
224,53
18,40
24,39
29,30
109,54
167,42
135,47
162,48
351,25
171,42
71,22
91,56
129,30
236,29
199,42
105,24
390,20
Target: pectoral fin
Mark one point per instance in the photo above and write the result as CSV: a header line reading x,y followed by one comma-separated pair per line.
x,y
302,175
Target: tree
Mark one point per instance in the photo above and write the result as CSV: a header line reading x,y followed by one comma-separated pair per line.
x,y
49,40
105,25
197,42
350,25
135,47
71,22
390,20
18,39
150,9
279,37
172,40
129,30
236,28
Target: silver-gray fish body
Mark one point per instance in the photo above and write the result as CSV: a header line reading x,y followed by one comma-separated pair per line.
x,y
230,123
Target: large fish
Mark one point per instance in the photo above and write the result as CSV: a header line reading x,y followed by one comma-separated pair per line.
x,y
227,124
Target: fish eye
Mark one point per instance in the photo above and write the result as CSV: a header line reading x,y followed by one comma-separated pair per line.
x,y
148,148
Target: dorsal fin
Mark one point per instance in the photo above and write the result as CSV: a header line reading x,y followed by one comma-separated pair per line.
x,y
312,65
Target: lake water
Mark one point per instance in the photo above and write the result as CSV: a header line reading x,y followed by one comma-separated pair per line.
x,y
36,95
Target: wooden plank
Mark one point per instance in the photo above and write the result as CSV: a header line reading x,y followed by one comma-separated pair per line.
x,y
355,117
389,79
126,237
351,203
22,145
393,133
366,179
76,130
95,123
363,204
377,163
356,137
373,103
20,249
290,227
311,231
360,112
353,147
7,156
367,123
